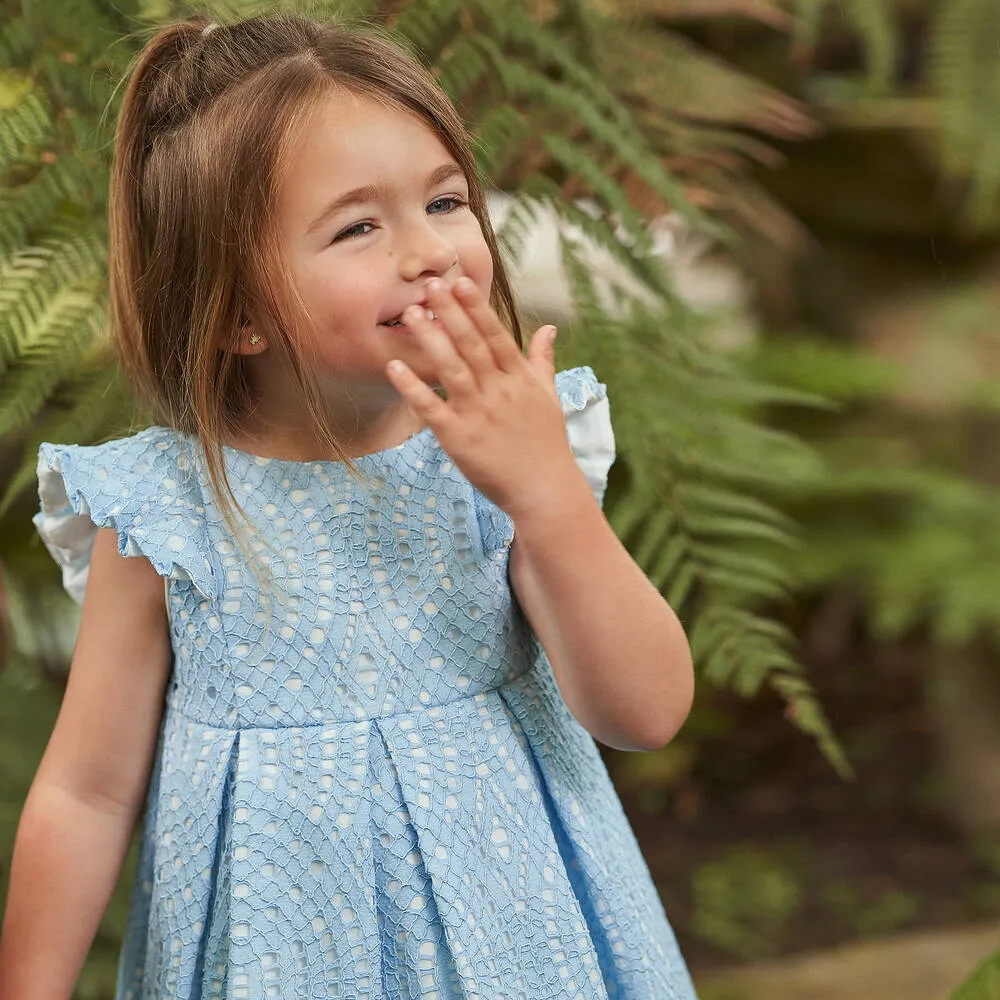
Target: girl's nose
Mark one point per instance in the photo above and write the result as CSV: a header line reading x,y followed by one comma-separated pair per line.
x,y
426,254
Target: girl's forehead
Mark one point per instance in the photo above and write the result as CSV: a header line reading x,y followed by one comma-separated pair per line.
x,y
350,142
349,134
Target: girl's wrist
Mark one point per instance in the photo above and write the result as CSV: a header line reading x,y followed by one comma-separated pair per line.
x,y
559,500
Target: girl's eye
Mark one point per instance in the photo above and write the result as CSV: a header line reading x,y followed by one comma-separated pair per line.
x,y
351,232
449,203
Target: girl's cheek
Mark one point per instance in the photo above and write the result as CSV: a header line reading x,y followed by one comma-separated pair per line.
x,y
481,267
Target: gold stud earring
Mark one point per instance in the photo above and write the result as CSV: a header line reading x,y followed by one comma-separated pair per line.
x,y
254,339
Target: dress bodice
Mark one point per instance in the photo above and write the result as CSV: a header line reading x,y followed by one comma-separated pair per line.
x,y
343,596
372,595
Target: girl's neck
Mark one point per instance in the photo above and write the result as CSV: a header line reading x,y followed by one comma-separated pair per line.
x,y
366,419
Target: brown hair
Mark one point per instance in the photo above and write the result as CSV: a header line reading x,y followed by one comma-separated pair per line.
x,y
199,155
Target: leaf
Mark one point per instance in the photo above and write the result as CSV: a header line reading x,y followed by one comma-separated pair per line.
x,y
983,983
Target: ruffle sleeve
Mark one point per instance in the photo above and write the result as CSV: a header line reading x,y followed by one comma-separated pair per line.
x,y
588,425
585,408
144,487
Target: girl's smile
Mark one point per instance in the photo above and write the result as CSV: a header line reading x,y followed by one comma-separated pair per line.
x,y
398,323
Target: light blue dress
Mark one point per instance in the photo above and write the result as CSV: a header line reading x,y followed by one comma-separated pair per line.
x,y
371,788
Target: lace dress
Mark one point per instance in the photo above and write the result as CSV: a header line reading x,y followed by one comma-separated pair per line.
x,y
369,787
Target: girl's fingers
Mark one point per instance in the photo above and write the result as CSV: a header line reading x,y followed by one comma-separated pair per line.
x,y
463,331
419,396
502,345
452,371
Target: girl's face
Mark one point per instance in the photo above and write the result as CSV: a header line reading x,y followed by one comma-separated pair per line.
x,y
372,208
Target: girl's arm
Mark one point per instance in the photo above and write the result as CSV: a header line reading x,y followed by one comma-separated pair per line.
x,y
79,815
617,650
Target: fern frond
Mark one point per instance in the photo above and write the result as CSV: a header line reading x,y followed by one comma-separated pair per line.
x,y
767,12
666,72
550,54
873,21
524,83
32,276
656,530
966,72
920,543
429,26
610,194
461,68
22,127
714,500
499,137
51,195
520,216
70,320
649,280
825,369
664,567
743,650
16,42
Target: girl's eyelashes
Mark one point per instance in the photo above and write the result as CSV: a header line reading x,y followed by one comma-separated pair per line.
x,y
448,203
454,201
352,232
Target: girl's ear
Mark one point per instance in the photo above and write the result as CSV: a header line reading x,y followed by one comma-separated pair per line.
x,y
248,341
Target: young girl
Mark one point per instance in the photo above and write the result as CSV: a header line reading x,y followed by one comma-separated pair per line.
x,y
362,634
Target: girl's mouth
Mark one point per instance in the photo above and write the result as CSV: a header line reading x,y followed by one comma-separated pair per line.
x,y
398,321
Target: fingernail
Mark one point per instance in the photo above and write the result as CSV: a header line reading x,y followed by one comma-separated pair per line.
x,y
552,333
464,284
435,285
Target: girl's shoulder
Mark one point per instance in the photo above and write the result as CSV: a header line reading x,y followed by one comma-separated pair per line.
x,y
144,486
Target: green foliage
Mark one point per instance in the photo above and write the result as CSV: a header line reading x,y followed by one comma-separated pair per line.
x,y
892,511
701,115
53,234
983,983
866,917
966,73
962,78
744,901
873,21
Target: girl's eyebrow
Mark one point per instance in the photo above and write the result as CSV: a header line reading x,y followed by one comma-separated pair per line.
x,y
372,192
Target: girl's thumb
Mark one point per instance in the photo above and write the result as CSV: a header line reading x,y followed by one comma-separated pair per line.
x,y
541,354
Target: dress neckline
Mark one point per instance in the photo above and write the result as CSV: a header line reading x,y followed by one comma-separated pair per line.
x,y
241,454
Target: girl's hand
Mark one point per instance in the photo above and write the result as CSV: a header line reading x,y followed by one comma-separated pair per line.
x,y
502,422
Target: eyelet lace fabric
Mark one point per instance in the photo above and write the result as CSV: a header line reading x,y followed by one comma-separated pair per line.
x,y
367,784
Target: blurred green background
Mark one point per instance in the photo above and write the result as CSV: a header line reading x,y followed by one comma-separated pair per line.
x,y
779,245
